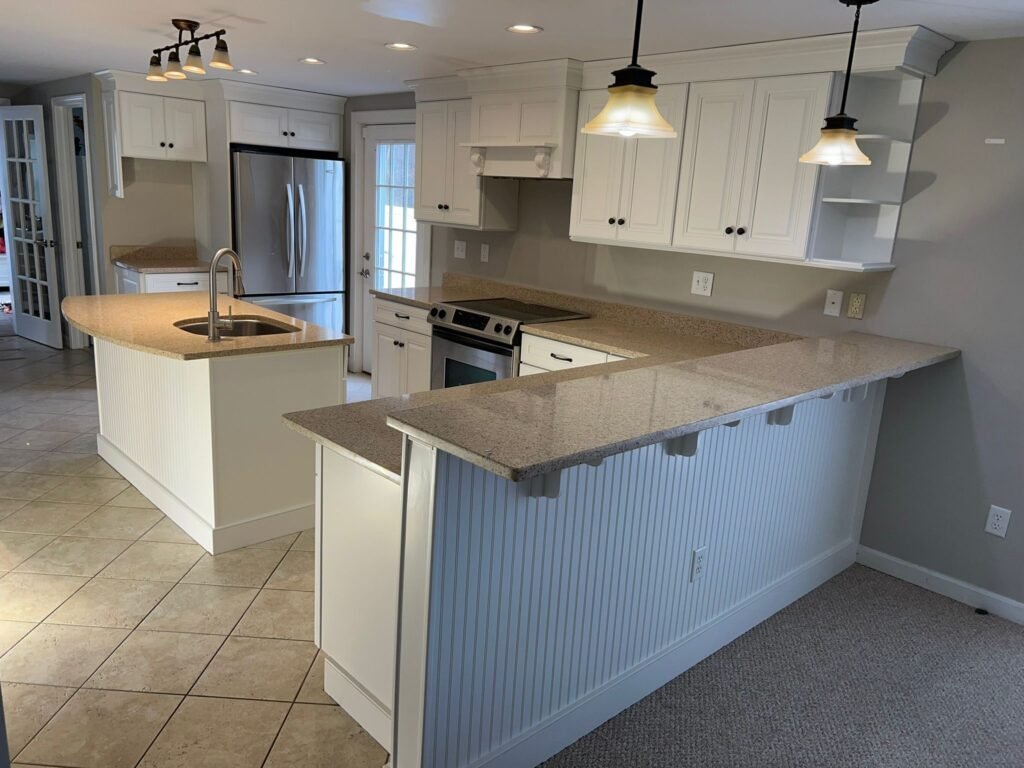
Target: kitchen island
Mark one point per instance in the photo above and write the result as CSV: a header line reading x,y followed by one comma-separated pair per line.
x,y
195,425
536,554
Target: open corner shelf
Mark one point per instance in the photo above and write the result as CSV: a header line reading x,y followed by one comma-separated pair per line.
x,y
859,201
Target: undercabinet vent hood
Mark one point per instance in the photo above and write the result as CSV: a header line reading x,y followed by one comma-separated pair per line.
x,y
522,118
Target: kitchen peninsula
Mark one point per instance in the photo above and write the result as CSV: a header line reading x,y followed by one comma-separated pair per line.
x,y
195,425
535,554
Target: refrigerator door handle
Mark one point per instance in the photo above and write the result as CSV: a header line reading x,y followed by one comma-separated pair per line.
x,y
290,218
282,302
303,231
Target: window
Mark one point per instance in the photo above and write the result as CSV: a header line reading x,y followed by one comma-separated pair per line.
x,y
394,215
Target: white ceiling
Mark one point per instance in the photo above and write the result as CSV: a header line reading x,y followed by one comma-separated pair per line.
x,y
50,39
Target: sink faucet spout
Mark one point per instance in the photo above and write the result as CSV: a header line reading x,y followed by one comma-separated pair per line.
x,y
234,279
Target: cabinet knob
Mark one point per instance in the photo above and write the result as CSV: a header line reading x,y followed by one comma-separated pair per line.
x,y
401,343
729,230
395,342
446,206
284,133
741,231
440,206
292,133
163,143
621,222
611,220
170,145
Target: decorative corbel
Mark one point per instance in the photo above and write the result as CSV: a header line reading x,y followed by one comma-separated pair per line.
x,y
781,417
682,446
477,156
542,159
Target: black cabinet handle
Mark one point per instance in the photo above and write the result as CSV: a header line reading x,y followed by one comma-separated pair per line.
x,y
741,231
196,282
395,342
446,206
292,133
401,343
284,133
611,220
729,230
440,206
563,358
163,143
621,222
402,317
170,145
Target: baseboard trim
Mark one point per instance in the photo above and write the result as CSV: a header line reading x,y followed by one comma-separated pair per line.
x,y
940,583
214,540
365,709
554,734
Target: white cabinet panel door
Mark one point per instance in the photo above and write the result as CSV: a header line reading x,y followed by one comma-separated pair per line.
x,y
597,176
650,177
777,197
431,159
711,173
142,126
185,122
258,124
463,185
387,362
417,363
314,130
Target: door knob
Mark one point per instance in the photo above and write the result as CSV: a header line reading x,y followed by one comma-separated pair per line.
x,y
364,272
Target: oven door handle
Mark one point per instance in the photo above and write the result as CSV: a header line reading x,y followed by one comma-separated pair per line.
x,y
471,341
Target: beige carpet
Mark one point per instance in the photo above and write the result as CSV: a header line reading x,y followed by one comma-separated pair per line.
x,y
867,671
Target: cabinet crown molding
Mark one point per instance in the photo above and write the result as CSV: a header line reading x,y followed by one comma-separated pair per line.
x,y
558,73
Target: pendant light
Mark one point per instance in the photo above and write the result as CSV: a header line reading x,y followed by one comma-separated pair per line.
x,y
174,71
187,38
194,62
838,142
155,74
220,58
631,109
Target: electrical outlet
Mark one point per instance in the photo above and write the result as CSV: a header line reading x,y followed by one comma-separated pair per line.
x,y
460,249
699,563
833,303
485,252
703,282
998,521
855,309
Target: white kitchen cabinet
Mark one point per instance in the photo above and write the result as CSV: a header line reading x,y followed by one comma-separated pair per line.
x,y
624,190
269,126
401,362
741,187
131,281
539,354
525,369
448,191
417,362
162,128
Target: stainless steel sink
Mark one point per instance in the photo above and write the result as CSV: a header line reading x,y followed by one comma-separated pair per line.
x,y
243,326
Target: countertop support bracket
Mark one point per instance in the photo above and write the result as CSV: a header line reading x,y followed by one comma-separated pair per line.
x,y
546,486
682,446
781,417
856,394
732,424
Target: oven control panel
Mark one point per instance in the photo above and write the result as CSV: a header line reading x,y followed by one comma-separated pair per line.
x,y
500,329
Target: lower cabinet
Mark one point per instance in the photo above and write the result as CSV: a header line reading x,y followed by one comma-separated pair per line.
x,y
130,281
401,362
540,355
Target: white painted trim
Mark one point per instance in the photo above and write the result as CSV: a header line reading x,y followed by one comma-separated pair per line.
x,y
941,584
553,735
67,198
363,707
358,121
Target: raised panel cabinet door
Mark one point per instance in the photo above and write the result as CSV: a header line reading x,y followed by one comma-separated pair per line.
x,y
417,363
127,281
711,170
597,177
431,160
463,184
387,362
777,199
143,130
186,129
495,119
258,124
314,130
650,177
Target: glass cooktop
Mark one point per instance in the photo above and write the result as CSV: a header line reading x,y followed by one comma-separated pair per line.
x,y
517,310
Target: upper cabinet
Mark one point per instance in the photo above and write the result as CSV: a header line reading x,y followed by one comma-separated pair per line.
x,y
280,127
448,191
742,189
162,127
624,190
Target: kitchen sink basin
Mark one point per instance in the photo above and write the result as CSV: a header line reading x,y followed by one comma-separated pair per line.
x,y
243,326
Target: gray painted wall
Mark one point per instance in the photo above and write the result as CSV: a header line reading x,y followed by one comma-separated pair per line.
x,y
952,439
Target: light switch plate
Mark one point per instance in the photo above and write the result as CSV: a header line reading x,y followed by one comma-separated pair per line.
x,y
833,303
460,249
485,252
703,282
855,309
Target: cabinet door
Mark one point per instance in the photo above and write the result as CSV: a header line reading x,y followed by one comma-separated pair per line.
x,y
313,130
650,177
462,185
127,281
597,176
258,124
416,353
431,159
777,198
185,122
387,362
142,125
711,172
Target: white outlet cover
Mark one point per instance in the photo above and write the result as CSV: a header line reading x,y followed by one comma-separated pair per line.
x,y
460,249
699,563
998,521
703,283
833,303
485,252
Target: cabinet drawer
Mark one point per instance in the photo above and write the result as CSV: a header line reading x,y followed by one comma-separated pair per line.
x,y
183,281
401,316
554,355
529,370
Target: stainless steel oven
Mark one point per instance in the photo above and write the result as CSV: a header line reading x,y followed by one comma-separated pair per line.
x,y
459,358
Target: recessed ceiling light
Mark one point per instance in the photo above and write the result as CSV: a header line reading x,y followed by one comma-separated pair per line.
x,y
311,60
525,29
248,72
401,47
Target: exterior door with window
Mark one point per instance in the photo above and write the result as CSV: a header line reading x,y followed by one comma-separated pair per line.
x,y
394,257
28,225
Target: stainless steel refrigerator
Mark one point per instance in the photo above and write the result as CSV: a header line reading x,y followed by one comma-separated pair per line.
x,y
289,232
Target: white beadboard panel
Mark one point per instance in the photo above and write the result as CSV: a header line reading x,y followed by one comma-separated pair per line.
x,y
537,606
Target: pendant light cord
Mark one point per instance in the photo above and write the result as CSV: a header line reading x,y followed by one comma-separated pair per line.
x,y
849,61
636,34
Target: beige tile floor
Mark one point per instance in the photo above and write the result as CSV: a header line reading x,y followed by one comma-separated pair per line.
x,y
122,643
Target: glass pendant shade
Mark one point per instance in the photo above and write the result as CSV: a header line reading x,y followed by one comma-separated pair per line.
x,y
836,147
631,111
155,74
220,58
194,62
174,71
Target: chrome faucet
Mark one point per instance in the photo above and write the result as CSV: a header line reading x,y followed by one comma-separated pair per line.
x,y
214,323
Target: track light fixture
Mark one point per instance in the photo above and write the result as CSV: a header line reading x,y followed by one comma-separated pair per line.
x,y
194,60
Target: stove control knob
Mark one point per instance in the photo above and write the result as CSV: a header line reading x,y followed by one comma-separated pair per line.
x,y
442,314
433,311
508,330
497,328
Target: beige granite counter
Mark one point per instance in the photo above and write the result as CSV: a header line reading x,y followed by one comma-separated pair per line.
x,y
625,340
423,298
146,322
158,259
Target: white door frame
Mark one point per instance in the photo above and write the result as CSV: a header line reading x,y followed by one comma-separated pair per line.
x,y
68,203
359,121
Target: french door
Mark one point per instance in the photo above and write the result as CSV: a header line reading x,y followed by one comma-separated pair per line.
x,y
28,225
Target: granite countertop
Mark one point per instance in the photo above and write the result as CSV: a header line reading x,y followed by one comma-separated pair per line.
x,y
619,338
145,321
159,258
424,297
